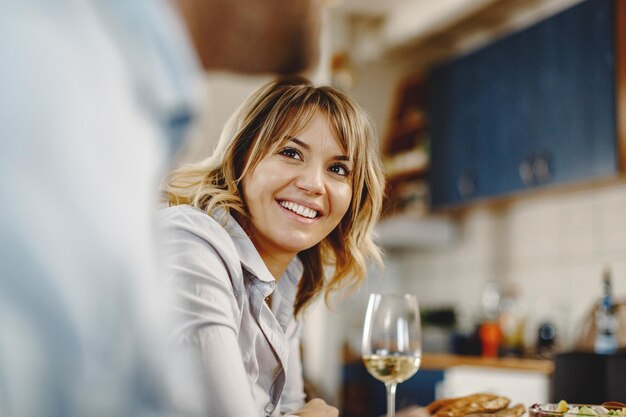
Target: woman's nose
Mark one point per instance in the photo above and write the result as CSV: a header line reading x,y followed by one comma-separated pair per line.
x,y
311,180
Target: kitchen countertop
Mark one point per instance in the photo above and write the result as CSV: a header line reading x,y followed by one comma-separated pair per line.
x,y
441,361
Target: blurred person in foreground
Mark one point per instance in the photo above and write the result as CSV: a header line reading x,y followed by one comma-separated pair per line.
x,y
281,212
95,97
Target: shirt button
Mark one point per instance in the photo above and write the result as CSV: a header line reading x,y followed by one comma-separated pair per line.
x,y
269,408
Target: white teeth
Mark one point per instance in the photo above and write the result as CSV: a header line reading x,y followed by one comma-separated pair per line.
x,y
301,210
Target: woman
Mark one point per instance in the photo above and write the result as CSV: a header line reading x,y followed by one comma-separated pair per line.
x,y
294,187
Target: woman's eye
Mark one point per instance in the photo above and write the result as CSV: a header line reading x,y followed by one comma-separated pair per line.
x,y
340,169
290,153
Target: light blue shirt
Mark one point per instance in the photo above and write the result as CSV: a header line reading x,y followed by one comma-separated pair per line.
x,y
250,354
92,95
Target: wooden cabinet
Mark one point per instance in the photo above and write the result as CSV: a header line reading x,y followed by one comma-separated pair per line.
x,y
405,148
534,108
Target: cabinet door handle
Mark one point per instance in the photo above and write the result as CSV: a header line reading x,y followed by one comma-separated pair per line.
x,y
541,168
466,185
526,172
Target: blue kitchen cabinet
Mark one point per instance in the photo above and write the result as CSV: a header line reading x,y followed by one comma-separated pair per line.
x,y
420,389
365,396
534,108
453,178
571,85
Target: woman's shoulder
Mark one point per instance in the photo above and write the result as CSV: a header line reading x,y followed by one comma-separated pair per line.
x,y
184,214
180,211
191,239
193,221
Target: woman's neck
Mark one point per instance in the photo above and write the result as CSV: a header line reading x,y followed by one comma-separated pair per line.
x,y
275,259
276,264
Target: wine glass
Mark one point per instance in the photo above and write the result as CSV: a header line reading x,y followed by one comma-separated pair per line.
x,y
392,342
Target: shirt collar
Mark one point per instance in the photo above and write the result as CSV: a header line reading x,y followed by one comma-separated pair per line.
x,y
250,258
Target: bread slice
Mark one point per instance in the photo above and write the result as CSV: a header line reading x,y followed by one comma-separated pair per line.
x,y
471,404
515,411
439,404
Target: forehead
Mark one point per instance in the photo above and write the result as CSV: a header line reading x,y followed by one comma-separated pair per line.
x,y
319,133
318,130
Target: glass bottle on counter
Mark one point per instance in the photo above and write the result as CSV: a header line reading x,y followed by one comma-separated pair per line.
x,y
512,321
605,319
489,332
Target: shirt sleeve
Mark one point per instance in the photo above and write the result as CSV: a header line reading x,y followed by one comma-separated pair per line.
x,y
207,312
293,393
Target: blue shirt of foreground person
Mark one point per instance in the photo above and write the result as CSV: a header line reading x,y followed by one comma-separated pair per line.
x,y
94,96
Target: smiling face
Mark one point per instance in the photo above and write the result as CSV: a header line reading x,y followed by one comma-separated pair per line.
x,y
299,193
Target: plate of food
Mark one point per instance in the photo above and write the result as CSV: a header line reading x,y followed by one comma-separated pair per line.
x,y
564,409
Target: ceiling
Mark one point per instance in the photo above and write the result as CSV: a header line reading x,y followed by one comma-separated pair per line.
x,y
380,26
370,7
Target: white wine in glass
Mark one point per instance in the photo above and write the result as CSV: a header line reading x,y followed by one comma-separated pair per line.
x,y
392,341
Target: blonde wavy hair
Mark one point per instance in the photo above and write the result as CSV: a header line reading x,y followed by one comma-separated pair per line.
x,y
266,120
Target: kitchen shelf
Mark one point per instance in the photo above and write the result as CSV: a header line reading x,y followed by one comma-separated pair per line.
x,y
407,222
406,165
405,148
417,172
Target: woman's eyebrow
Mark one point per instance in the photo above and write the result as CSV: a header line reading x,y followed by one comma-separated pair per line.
x,y
307,147
299,142
345,158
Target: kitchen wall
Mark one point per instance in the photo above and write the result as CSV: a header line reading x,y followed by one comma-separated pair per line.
x,y
552,248
220,94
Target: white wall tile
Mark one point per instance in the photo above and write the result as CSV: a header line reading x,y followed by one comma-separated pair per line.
x,y
578,230
534,230
478,233
612,219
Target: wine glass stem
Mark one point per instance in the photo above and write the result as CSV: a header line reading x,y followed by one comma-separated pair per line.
x,y
391,398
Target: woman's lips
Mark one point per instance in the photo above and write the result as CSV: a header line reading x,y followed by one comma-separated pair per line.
x,y
308,214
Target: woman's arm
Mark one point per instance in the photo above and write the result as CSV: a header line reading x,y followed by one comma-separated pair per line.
x,y
292,402
228,388
293,394
316,408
